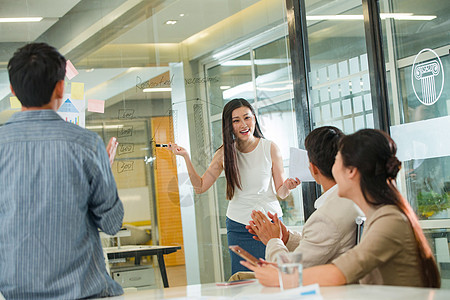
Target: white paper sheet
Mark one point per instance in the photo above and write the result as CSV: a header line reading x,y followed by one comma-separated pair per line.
x,y
72,110
299,165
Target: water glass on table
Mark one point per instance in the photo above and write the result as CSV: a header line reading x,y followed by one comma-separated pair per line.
x,y
290,270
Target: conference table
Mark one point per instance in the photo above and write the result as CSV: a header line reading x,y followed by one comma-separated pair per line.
x,y
256,291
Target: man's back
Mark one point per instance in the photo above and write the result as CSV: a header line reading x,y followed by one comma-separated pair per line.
x,y
330,230
56,190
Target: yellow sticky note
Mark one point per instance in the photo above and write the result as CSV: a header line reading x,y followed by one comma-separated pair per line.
x,y
77,90
15,103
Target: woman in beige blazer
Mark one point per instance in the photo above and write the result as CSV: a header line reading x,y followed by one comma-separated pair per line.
x,y
393,249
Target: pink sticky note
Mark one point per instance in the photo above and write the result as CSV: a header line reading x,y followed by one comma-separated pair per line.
x,y
71,72
96,105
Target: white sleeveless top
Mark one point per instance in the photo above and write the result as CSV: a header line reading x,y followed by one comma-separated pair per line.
x,y
255,169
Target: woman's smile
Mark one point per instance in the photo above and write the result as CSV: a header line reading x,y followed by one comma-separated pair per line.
x,y
245,131
243,122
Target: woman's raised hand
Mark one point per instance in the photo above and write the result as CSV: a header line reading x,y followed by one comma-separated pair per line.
x,y
177,150
111,149
291,183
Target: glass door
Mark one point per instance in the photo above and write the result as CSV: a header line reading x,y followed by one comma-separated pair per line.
x,y
339,72
416,48
260,73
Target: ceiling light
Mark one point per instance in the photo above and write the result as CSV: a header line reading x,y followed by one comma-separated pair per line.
x,y
238,90
335,17
224,87
153,90
393,15
92,127
383,16
171,22
16,20
236,63
277,89
181,15
415,18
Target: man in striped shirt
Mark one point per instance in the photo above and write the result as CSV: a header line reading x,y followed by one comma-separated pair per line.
x,y
56,190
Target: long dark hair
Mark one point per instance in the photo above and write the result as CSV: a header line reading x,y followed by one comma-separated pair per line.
x,y
230,161
372,152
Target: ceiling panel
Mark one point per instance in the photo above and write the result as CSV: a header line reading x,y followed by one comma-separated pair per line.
x,y
26,32
198,15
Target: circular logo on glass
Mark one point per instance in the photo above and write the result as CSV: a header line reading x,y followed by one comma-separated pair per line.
x,y
427,77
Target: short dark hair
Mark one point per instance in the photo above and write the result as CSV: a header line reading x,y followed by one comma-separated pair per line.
x,y
322,146
34,71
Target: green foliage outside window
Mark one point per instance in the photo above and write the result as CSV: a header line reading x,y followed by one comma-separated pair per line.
x,y
430,203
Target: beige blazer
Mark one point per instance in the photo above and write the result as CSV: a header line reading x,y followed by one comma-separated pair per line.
x,y
329,232
387,253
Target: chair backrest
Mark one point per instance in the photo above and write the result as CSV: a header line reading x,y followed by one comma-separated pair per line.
x,y
359,227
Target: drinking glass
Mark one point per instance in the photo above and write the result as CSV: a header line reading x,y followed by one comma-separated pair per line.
x,y
290,270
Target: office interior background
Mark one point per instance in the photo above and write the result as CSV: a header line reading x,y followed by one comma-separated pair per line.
x,y
164,69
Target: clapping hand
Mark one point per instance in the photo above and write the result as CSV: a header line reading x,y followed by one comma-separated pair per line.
x,y
260,225
264,228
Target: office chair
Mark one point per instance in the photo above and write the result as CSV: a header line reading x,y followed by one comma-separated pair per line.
x,y
359,227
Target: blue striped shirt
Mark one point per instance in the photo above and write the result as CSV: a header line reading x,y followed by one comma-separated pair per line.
x,y
56,190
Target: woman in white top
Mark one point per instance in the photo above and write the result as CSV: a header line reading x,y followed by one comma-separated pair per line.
x,y
253,169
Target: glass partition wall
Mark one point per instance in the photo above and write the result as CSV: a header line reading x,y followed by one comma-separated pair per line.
x,y
159,72
416,50
153,72
339,72
417,55
257,70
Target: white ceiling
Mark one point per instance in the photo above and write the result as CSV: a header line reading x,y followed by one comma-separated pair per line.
x,y
198,15
76,26
27,32
108,37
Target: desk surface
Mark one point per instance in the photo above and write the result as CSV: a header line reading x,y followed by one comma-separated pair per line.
x,y
253,290
134,248
138,251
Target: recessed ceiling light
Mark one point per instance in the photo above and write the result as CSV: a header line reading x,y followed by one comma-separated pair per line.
x,y
170,22
383,16
152,90
16,20
181,15
104,127
335,17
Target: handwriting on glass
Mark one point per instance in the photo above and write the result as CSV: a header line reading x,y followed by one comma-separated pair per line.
x,y
125,131
125,148
126,114
125,166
